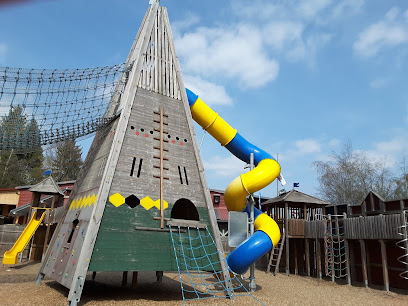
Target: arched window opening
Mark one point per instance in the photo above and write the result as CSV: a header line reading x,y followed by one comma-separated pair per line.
x,y
184,209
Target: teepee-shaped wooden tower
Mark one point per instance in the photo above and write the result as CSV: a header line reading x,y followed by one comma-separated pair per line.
x,y
142,171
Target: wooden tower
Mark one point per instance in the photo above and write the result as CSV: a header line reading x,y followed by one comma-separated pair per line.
x,y
143,172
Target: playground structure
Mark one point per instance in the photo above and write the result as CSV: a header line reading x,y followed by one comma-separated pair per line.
x,y
361,243
47,197
267,170
141,201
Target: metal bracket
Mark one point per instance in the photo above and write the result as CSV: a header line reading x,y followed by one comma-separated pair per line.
x,y
78,291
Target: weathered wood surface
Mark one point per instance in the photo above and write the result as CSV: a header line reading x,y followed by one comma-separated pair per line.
x,y
9,234
372,227
314,229
296,227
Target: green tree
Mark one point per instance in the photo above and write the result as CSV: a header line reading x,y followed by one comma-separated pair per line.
x,y
22,159
65,160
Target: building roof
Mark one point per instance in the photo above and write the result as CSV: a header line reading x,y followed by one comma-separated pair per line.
x,y
20,211
59,183
47,185
296,198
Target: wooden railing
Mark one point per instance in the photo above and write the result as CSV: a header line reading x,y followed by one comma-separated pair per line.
x,y
55,216
373,227
315,229
296,227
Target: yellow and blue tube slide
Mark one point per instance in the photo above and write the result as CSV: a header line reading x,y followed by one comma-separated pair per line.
x,y
267,233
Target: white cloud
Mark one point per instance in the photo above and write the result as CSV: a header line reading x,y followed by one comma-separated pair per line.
x,y
232,52
307,146
309,9
3,52
210,93
380,82
390,32
225,166
334,143
347,7
389,151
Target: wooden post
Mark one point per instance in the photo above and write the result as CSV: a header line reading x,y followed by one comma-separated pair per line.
x,y
287,238
332,266
385,266
296,256
364,261
134,279
347,250
307,257
161,169
319,259
124,278
47,232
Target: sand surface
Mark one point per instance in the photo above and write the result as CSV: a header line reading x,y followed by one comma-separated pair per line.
x,y
17,287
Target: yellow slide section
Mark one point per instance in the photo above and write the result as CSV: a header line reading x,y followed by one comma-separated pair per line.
x,y
10,257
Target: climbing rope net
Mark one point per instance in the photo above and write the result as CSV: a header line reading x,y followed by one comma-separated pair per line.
x,y
403,244
334,244
45,106
200,270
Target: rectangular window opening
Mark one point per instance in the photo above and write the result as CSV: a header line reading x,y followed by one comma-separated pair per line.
x,y
181,178
185,174
133,166
140,167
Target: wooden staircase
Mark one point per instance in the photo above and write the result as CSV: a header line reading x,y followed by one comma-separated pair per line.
x,y
276,255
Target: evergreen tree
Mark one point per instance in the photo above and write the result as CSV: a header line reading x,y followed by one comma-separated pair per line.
x,y
21,165
65,160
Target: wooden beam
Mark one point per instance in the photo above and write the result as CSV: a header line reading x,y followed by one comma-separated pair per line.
x,y
385,265
307,253
134,279
296,257
364,261
319,259
287,238
161,169
347,250
124,279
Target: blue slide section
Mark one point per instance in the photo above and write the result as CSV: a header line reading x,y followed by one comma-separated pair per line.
x,y
251,249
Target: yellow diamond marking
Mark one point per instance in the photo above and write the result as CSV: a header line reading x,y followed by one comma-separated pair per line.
x,y
117,199
147,203
157,204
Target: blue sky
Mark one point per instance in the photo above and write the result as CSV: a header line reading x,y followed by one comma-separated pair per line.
x,y
297,78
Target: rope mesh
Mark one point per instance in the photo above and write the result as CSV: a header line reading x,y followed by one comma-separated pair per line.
x,y
199,267
44,106
335,249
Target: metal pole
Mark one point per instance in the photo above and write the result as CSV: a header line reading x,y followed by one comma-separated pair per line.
x,y
252,285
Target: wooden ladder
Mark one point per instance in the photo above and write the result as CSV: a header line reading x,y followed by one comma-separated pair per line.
x,y
276,254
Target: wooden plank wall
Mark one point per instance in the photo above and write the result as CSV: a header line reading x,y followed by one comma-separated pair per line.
x,y
9,234
372,227
296,227
314,229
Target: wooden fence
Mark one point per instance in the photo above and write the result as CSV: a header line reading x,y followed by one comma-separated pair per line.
x,y
9,234
373,227
296,227
315,229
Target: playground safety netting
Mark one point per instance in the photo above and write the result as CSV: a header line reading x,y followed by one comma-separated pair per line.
x,y
200,269
45,106
334,244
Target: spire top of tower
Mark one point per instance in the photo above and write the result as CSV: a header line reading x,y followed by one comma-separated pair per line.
x,y
154,1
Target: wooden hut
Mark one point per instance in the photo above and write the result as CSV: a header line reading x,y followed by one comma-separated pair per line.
x,y
291,210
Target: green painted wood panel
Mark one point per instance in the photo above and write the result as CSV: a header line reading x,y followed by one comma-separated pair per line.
x,y
120,247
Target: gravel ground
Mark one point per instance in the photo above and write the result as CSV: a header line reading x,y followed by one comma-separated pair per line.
x,y
17,288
